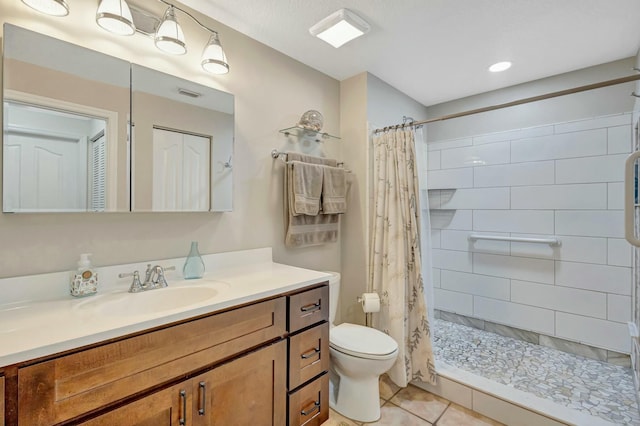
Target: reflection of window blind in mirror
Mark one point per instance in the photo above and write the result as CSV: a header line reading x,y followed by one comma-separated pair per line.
x,y
97,199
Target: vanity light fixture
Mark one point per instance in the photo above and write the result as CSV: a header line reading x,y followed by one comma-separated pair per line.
x,y
50,7
500,66
115,16
340,27
166,31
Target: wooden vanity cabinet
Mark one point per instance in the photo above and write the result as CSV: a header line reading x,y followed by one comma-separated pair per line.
x,y
249,390
71,387
308,359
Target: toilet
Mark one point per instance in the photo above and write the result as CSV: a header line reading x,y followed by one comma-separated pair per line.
x,y
359,355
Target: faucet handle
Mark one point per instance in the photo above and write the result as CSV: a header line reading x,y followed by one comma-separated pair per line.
x,y
136,285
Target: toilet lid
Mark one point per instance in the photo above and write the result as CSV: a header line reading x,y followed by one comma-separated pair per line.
x,y
361,341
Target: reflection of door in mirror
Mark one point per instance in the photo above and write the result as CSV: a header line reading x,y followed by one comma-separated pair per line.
x,y
63,96
180,171
54,159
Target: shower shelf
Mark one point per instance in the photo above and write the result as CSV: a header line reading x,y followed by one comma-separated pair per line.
x,y
302,132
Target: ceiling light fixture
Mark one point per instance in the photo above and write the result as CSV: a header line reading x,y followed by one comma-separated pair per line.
x,y
500,66
50,7
115,16
340,27
213,58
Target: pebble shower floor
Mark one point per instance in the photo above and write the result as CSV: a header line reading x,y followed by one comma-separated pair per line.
x,y
598,388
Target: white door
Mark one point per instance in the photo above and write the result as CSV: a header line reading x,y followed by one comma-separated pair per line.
x,y
44,173
180,171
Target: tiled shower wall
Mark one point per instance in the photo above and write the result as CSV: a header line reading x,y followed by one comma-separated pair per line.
x,y
562,179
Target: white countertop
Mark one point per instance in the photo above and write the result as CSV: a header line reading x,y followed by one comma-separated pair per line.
x,y
32,329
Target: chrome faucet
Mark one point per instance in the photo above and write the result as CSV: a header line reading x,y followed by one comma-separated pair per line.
x,y
153,278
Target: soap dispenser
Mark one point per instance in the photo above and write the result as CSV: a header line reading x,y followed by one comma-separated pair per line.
x,y
85,279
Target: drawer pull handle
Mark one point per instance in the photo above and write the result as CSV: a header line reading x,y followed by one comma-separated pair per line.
x,y
316,406
183,419
311,307
202,386
310,353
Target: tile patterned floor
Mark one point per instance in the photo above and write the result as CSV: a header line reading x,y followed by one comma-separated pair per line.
x,y
601,389
412,406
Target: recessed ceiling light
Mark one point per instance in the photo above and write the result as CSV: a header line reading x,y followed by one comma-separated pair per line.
x,y
500,66
340,27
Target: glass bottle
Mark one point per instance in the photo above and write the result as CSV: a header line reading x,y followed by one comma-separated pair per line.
x,y
193,266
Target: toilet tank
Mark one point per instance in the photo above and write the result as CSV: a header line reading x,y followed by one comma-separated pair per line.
x,y
334,294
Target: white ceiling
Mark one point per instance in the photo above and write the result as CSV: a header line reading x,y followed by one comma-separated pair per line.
x,y
439,50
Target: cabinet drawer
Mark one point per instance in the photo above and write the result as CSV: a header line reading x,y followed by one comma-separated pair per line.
x,y
308,308
309,405
308,354
69,386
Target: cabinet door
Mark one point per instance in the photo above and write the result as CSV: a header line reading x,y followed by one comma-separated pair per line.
x,y
250,390
167,407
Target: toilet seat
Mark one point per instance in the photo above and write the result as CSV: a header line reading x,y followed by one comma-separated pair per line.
x,y
362,342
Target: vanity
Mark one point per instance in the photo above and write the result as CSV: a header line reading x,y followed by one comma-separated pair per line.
x,y
251,349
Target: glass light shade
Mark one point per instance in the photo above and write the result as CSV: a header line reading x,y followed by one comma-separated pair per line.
x,y
50,7
115,16
213,58
169,36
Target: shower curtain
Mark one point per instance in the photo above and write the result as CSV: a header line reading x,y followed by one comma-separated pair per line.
x,y
395,259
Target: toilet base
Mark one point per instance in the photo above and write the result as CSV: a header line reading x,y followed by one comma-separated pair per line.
x,y
355,399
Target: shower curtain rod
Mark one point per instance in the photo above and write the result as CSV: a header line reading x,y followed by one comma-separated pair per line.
x,y
550,95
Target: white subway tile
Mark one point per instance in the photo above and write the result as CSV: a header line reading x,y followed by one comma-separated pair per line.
x,y
565,299
618,308
471,198
533,173
524,221
514,314
607,223
604,278
451,219
594,123
449,144
602,168
513,134
479,285
452,260
590,196
480,155
436,275
452,301
575,249
459,240
567,145
619,140
507,412
433,160
619,252
615,196
435,238
519,268
591,331
450,178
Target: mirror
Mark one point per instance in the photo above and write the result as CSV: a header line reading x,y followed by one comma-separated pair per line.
x,y
66,133
182,144
66,112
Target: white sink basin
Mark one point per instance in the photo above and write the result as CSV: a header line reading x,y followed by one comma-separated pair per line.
x,y
154,301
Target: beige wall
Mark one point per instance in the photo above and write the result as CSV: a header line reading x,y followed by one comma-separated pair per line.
x,y
271,92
